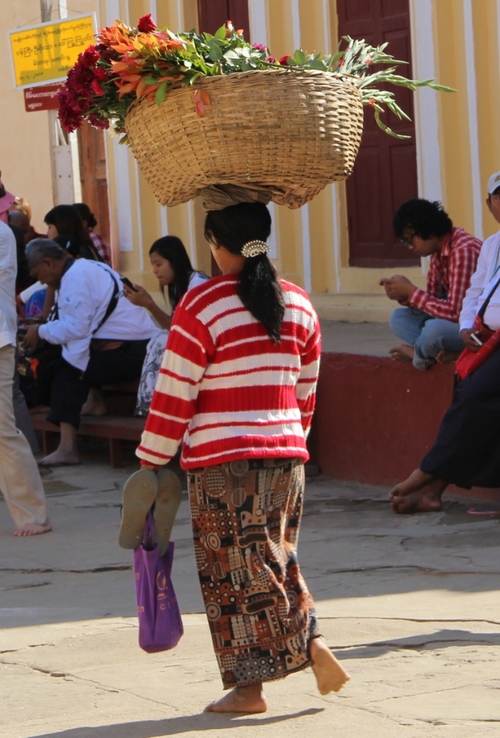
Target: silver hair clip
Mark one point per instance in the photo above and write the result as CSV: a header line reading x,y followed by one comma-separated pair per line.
x,y
254,248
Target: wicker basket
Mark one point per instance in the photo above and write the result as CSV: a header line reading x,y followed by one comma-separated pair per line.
x,y
288,132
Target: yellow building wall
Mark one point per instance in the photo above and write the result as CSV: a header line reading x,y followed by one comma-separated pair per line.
x,y
463,52
25,149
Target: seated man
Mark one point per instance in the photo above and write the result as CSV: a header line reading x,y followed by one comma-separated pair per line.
x,y
102,335
428,322
466,451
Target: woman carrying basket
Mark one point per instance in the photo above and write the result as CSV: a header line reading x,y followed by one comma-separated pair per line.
x,y
237,384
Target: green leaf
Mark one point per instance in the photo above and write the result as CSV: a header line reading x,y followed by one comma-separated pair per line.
x,y
215,54
160,93
221,33
299,57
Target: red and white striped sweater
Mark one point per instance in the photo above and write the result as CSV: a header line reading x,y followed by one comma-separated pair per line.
x,y
225,389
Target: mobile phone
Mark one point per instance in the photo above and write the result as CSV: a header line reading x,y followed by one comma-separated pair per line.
x,y
476,339
129,284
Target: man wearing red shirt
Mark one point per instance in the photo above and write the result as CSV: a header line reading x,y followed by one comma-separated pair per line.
x,y
428,320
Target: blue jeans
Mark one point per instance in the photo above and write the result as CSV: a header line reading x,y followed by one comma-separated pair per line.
x,y
429,338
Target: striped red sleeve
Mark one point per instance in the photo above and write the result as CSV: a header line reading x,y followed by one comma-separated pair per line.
x,y
174,400
308,377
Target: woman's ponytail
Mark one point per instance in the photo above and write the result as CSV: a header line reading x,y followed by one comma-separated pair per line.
x,y
258,286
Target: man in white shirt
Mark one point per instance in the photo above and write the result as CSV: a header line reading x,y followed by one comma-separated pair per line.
x,y
20,479
485,277
103,337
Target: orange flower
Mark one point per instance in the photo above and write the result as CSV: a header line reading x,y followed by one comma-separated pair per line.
x,y
201,101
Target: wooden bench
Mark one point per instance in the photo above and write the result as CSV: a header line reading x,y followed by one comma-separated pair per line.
x,y
118,429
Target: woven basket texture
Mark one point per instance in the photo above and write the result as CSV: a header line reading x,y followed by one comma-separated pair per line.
x,y
285,131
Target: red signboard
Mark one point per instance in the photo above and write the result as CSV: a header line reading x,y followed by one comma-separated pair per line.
x,y
43,97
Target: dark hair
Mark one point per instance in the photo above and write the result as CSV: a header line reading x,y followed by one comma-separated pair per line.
x,y
172,249
258,287
86,214
40,248
69,224
73,246
426,219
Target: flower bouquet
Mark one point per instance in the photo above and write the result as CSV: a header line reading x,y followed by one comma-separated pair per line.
x,y
202,109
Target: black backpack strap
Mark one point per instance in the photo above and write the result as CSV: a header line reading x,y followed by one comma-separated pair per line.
x,y
113,301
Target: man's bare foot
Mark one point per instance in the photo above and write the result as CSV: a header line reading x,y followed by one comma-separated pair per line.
x,y
402,353
426,499
60,458
415,481
95,404
447,357
249,699
33,529
330,674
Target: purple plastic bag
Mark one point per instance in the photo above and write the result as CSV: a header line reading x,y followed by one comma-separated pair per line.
x,y
160,623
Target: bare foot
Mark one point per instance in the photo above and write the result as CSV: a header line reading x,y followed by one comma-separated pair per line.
x,y
415,481
60,458
447,357
330,674
249,699
33,529
95,404
402,353
426,499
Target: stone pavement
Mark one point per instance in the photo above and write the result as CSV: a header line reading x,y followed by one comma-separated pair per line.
x,y
410,605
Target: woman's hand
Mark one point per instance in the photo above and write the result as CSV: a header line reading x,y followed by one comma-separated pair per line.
x,y
138,296
466,336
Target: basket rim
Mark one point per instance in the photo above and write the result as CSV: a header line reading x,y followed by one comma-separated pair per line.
x,y
234,76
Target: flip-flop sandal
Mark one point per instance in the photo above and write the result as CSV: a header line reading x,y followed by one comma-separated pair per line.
x,y
139,494
168,499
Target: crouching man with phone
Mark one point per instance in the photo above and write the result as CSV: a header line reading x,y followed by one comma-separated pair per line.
x,y
93,337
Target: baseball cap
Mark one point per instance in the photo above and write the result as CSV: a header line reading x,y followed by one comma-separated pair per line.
x,y
493,183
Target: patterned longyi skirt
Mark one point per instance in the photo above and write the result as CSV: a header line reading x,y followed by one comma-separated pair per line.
x,y
246,516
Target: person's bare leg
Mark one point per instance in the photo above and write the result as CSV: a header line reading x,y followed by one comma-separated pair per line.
x,y
33,529
66,453
330,674
402,353
249,699
425,499
95,403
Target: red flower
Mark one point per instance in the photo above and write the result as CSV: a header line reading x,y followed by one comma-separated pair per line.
x,y
96,88
90,56
284,60
146,24
97,122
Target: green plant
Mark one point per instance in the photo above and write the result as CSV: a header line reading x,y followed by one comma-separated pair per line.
x,y
130,64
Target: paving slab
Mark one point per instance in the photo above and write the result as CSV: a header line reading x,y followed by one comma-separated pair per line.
x,y
410,605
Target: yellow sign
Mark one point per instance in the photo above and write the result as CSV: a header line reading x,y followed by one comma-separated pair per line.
x,y
44,53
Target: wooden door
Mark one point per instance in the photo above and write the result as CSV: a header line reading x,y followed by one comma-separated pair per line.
x,y
94,184
212,14
385,172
